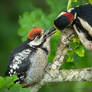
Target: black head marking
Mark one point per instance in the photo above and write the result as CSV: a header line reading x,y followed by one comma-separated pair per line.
x,y
61,22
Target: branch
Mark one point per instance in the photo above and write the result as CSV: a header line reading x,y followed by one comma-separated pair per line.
x,y
54,74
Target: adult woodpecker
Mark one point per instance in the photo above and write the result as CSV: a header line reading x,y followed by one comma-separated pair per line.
x,y
29,59
80,19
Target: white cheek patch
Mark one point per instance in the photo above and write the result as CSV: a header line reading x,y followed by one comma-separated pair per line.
x,y
36,42
31,44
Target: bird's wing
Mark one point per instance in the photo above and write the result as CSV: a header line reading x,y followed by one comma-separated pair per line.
x,y
19,64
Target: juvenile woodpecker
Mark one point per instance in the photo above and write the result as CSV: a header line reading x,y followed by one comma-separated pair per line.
x,y
29,59
80,19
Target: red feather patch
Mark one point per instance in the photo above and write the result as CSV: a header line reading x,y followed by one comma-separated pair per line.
x,y
34,32
69,16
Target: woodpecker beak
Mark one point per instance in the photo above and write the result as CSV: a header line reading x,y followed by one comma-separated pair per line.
x,y
49,32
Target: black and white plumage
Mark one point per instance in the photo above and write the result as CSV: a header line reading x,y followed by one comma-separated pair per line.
x,y
19,61
29,59
80,18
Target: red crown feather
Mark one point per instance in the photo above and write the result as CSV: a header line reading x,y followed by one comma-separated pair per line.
x,y
69,16
34,32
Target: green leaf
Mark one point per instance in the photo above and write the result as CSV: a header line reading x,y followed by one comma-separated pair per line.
x,y
15,88
18,88
76,48
10,80
7,85
68,65
75,40
7,81
69,57
80,51
54,42
73,45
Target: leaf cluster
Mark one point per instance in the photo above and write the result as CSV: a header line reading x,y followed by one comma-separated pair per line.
x,y
7,85
75,47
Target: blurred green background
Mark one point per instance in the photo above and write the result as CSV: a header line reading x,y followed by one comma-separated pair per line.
x,y
11,28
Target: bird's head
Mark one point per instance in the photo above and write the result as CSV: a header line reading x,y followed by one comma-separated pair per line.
x,y
63,20
38,37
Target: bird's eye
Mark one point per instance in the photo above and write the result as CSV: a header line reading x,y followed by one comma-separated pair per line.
x,y
38,36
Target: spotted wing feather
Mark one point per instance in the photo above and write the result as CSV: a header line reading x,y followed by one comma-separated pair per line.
x,y
19,61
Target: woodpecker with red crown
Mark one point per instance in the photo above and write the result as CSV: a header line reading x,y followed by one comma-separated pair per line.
x,y
29,59
80,19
